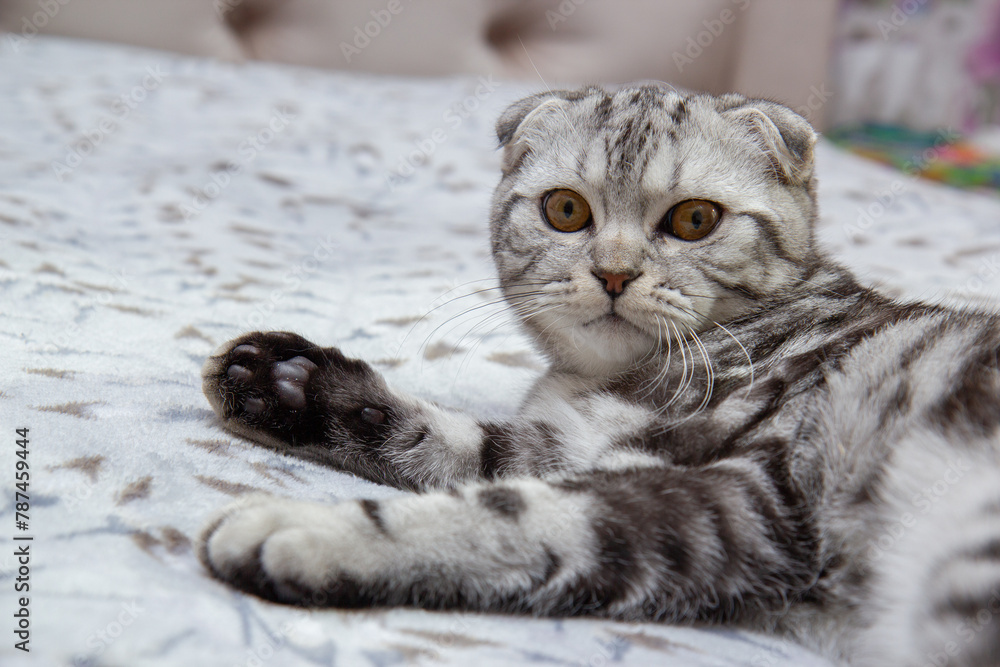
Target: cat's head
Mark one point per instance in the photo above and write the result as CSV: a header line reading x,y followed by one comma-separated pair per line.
x,y
626,217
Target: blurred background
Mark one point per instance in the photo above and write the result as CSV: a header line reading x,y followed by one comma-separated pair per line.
x,y
882,77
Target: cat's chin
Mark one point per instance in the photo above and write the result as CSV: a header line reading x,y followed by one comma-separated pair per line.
x,y
606,345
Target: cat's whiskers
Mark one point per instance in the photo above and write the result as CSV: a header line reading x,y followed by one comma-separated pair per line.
x,y
452,300
698,318
552,324
727,332
663,373
682,384
704,349
709,372
521,311
653,355
467,311
497,319
747,354
686,343
491,322
480,339
654,382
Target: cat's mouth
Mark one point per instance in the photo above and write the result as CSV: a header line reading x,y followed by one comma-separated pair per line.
x,y
613,320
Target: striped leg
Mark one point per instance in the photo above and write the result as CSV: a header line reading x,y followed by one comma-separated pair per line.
x,y
651,543
283,391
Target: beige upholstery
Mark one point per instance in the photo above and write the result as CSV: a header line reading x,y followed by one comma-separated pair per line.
x,y
187,26
775,48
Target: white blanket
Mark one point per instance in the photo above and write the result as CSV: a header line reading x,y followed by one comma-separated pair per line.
x,y
128,252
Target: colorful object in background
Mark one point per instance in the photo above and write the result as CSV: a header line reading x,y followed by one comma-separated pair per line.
x,y
943,156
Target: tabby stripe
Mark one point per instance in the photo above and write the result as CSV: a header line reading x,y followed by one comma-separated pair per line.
x,y
769,392
965,605
506,502
496,450
373,512
988,551
771,234
602,112
533,259
646,155
680,112
675,178
921,345
743,290
972,404
868,491
682,504
506,208
553,565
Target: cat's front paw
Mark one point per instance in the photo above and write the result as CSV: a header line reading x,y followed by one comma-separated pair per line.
x,y
294,552
278,388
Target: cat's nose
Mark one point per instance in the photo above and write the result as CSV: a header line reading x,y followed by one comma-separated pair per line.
x,y
615,283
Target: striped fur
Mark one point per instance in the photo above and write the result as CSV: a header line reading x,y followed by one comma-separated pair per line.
x,y
744,435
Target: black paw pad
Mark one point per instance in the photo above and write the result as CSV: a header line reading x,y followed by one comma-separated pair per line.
x,y
290,378
265,379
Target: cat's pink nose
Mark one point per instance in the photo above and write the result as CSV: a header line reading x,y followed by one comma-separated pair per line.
x,y
614,283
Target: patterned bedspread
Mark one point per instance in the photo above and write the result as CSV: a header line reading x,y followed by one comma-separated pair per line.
x,y
153,206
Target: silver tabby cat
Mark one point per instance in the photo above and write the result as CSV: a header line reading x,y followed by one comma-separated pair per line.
x,y
731,429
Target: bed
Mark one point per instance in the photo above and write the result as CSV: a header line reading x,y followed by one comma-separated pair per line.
x,y
153,206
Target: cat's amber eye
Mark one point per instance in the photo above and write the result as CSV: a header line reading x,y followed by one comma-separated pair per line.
x,y
566,210
693,219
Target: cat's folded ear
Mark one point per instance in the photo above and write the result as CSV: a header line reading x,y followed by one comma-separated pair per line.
x,y
785,137
515,125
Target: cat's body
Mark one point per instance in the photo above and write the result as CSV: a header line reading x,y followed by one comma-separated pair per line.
x,y
732,430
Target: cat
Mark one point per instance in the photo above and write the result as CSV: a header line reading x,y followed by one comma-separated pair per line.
x,y
732,430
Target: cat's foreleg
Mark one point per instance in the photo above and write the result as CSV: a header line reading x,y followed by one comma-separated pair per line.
x,y
281,390
665,543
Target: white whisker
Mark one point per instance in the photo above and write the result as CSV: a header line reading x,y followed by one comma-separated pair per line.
x,y
709,372
747,354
